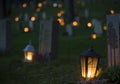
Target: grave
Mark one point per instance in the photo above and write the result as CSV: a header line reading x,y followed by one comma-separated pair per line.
x,y
97,25
44,16
69,29
113,39
4,35
26,17
48,37
86,13
31,25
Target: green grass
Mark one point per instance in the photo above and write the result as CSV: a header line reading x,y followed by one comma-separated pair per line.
x,y
66,67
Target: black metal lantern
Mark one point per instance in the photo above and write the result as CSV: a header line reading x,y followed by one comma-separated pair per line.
x,y
89,63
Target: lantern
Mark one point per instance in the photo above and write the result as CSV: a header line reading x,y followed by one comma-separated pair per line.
x,y
39,4
33,18
59,14
89,63
29,52
93,35
112,11
75,23
24,5
37,9
105,27
61,21
59,5
26,29
17,19
89,24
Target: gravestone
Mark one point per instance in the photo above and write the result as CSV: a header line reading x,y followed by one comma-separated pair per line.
x,y
26,18
113,38
31,25
86,13
69,29
36,15
44,16
4,35
48,39
97,25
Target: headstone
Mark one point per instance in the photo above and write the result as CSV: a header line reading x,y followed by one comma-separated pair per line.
x,y
97,25
86,13
113,34
26,18
31,25
44,16
69,29
48,39
19,25
4,35
35,14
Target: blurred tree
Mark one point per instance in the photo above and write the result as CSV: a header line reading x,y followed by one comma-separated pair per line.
x,y
70,13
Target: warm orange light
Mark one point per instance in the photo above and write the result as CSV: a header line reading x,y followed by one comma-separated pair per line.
x,y
112,11
105,27
98,72
40,4
28,56
62,23
62,12
59,14
37,9
26,29
24,5
33,18
75,23
94,36
59,5
60,20
91,67
89,24
17,19
44,2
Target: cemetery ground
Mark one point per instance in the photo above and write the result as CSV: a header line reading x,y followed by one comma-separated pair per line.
x,y
65,69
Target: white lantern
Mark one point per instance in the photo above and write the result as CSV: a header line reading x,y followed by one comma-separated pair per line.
x,y
29,52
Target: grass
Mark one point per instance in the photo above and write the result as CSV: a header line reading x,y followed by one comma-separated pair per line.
x,y
66,67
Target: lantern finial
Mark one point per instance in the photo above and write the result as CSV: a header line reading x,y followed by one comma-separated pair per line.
x,y
91,49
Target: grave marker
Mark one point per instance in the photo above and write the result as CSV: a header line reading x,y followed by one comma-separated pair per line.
x,y
48,39
113,34
26,18
31,25
4,35
97,27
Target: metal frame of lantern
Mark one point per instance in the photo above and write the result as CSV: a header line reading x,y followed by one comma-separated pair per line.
x,y
89,64
28,53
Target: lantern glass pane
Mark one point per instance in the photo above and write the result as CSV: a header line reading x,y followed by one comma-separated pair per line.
x,y
92,65
83,66
28,56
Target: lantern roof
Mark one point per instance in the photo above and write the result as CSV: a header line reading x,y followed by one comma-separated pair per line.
x,y
90,53
29,47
